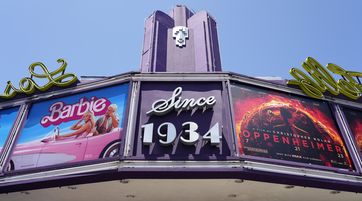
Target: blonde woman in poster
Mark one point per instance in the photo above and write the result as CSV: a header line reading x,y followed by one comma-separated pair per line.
x,y
80,129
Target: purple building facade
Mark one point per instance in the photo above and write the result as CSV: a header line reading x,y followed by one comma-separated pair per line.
x,y
200,51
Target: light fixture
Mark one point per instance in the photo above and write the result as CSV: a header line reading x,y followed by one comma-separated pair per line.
x,y
239,181
124,181
232,195
130,196
72,187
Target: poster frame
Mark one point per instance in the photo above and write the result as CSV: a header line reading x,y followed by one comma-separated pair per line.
x,y
134,116
356,170
87,87
10,136
350,134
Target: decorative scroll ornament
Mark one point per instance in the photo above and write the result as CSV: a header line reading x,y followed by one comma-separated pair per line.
x,y
180,34
320,80
28,86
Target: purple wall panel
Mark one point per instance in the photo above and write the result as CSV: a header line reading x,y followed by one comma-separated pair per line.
x,y
151,92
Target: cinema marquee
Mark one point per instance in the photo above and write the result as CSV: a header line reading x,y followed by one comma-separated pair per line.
x,y
181,116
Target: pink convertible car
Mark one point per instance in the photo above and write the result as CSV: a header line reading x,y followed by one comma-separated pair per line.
x,y
49,151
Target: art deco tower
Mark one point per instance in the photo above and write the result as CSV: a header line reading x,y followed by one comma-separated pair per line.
x,y
182,41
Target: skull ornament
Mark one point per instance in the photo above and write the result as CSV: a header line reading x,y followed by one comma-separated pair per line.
x,y
180,33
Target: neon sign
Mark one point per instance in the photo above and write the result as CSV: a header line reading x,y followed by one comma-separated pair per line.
x,y
320,80
28,86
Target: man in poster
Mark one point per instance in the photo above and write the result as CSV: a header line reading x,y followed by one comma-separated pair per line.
x,y
108,121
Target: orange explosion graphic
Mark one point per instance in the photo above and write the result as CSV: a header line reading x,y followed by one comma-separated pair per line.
x,y
357,131
276,112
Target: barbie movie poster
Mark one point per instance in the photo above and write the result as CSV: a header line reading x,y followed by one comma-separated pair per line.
x,y
354,119
7,119
76,128
289,128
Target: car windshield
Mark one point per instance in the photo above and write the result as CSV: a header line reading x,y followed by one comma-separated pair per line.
x,y
50,135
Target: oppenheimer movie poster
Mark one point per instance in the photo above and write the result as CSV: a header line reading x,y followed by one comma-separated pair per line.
x,y
289,128
354,119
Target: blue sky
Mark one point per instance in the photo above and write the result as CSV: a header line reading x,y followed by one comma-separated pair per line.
x,y
257,38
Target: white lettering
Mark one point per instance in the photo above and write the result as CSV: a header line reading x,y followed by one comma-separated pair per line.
x,y
161,107
99,105
60,112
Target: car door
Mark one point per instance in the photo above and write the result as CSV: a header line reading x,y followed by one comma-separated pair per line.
x,y
62,151
26,155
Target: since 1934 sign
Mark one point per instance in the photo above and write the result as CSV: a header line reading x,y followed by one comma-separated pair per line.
x,y
182,121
